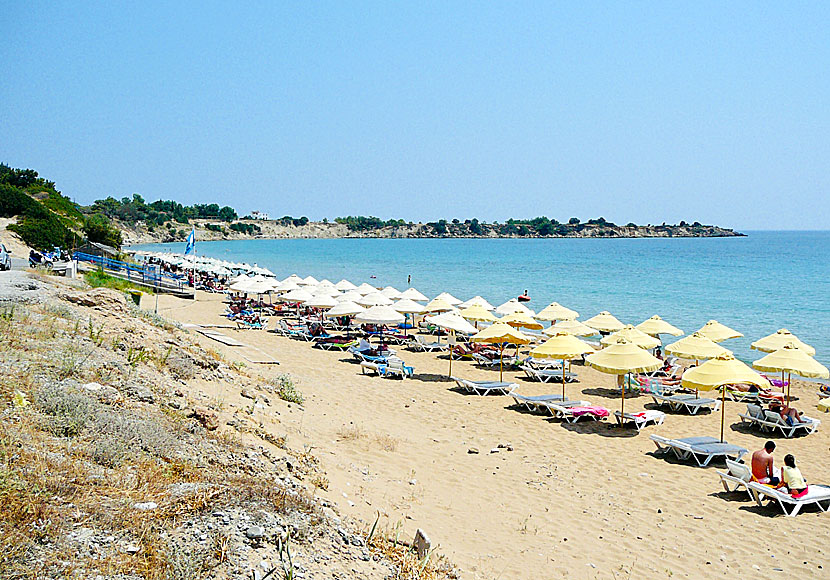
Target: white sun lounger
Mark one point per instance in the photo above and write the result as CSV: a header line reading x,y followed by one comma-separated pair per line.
x,y
767,420
640,420
816,494
738,474
689,403
536,403
565,410
485,387
701,449
423,345
493,362
547,374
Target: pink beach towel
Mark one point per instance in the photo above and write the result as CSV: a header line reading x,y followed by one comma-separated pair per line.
x,y
592,410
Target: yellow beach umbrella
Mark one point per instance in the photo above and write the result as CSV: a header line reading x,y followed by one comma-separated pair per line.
x,y
717,332
623,357
521,320
695,347
656,325
571,327
717,372
605,322
478,313
780,338
631,334
501,334
791,359
561,346
555,311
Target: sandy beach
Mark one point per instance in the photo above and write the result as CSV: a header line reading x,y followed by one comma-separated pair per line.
x,y
585,499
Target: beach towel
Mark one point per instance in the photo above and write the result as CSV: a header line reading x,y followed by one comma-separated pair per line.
x,y
591,410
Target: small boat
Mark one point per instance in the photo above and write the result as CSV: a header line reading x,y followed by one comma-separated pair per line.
x,y
523,298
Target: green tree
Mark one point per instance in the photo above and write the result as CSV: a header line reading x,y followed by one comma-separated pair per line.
x,y
98,228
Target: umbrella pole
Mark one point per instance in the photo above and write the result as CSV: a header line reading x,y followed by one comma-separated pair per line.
x,y
789,380
450,373
501,364
563,379
722,411
622,405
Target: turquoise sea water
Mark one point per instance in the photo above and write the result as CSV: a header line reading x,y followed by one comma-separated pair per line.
x,y
756,284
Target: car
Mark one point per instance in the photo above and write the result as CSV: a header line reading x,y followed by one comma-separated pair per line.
x,y
5,258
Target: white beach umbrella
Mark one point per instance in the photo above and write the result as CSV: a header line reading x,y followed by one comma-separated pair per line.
x,y
323,291
452,322
326,282
413,294
298,295
476,300
407,306
391,292
374,299
346,308
344,285
294,278
449,298
287,285
350,296
240,278
512,306
366,289
379,315
321,301
310,281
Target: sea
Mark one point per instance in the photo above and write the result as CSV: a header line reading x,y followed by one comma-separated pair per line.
x,y
754,284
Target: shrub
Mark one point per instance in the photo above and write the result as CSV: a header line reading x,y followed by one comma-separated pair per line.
x,y
287,390
69,412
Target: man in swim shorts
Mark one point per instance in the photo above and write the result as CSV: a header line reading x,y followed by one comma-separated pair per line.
x,y
762,469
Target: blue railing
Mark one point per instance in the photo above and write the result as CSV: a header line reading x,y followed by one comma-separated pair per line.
x,y
149,275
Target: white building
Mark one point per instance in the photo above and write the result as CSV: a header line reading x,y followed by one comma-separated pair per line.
x,y
258,215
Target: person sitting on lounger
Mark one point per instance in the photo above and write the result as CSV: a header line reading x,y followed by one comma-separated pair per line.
x,y
789,414
762,465
792,479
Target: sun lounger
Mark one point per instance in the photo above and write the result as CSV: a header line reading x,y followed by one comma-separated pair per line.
x,y
545,375
702,449
816,494
485,387
421,344
640,419
573,411
738,474
535,403
373,368
688,403
334,343
486,361
395,367
767,420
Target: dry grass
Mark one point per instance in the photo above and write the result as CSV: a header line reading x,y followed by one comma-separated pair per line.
x,y
381,441
387,543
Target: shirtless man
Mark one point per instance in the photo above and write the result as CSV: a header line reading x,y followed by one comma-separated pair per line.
x,y
762,464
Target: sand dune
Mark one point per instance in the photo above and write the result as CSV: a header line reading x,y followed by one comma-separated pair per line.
x,y
587,500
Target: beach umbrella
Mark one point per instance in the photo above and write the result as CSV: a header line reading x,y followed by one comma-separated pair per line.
x,y
718,372
325,282
452,322
561,346
414,295
621,358
344,285
604,322
501,334
391,292
477,313
293,278
571,327
521,320
438,305
346,308
309,281
717,332
791,359
287,285
350,296
477,300
374,299
380,315
321,301
555,311
406,307
366,289
631,334
240,278
298,295
778,339
448,298
656,326
512,306
695,347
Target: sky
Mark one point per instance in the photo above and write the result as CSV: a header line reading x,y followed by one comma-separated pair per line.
x,y
648,112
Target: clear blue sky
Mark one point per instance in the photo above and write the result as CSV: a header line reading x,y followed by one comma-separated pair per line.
x,y
635,111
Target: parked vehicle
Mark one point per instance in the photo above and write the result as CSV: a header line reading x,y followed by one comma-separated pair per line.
x,y
5,258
